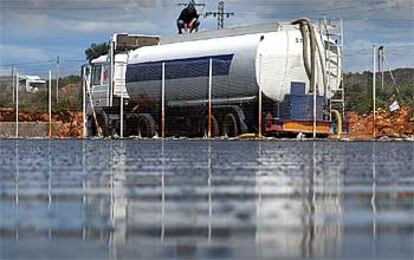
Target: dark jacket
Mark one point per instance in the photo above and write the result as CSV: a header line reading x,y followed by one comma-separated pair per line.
x,y
188,14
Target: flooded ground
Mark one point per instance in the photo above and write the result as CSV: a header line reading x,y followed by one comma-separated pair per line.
x,y
199,199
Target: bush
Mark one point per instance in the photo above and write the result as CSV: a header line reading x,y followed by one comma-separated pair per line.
x,y
358,90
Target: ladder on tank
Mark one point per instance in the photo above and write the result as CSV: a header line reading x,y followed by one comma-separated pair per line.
x,y
334,45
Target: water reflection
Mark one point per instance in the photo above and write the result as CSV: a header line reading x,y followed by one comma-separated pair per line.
x,y
301,214
117,199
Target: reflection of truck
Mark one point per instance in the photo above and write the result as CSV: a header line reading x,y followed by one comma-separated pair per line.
x,y
283,60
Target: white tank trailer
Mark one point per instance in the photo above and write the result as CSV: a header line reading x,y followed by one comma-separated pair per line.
x,y
285,61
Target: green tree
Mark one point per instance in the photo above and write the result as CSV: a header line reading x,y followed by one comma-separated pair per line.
x,y
358,90
96,50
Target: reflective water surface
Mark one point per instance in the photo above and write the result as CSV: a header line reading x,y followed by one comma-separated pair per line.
x,y
197,199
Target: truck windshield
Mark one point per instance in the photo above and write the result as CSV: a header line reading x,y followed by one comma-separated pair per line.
x,y
105,79
96,74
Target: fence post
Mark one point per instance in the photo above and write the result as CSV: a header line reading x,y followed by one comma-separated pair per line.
x,y
315,85
121,127
163,101
50,103
13,90
210,85
17,105
112,82
259,119
83,101
57,79
374,72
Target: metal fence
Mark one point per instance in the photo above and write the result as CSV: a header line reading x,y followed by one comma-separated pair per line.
x,y
390,93
199,97
31,106
195,98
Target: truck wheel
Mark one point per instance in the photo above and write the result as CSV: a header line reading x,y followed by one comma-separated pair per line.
x,y
215,130
230,126
91,127
145,126
104,124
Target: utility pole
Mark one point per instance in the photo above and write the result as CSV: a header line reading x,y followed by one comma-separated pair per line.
x,y
381,65
220,14
57,79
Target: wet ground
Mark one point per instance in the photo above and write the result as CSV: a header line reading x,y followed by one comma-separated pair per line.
x,y
198,199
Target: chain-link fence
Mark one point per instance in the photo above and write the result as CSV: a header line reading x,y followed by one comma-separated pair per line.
x,y
195,97
7,98
393,92
207,97
201,97
43,105
190,98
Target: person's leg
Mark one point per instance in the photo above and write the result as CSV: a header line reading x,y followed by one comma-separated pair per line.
x,y
180,26
195,26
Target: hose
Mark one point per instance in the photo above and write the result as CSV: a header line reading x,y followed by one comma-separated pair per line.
x,y
306,28
339,122
304,33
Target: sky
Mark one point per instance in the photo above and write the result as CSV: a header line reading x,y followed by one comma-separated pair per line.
x,y
34,32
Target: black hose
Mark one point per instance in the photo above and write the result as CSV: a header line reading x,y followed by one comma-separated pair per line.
x,y
304,32
307,28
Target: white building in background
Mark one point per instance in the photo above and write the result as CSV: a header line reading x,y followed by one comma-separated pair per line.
x,y
31,83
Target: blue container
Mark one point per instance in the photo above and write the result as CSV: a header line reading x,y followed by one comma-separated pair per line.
x,y
297,88
301,108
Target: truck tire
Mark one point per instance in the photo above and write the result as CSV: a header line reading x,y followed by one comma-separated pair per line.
x,y
104,123
145,126
215,128
91,127
230,126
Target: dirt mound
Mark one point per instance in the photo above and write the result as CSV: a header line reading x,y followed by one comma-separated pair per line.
x,y
71,121
391,124
72,124
399,123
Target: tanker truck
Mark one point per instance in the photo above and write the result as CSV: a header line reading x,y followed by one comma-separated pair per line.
x,y
272,78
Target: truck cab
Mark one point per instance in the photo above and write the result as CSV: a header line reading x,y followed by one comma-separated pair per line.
x,y
104,78
100,70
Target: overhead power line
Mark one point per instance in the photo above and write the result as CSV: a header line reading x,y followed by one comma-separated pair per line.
x,y
203,5
195,4
26,64
220,14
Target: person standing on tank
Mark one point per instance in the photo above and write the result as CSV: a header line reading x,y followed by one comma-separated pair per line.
x,y
188,19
